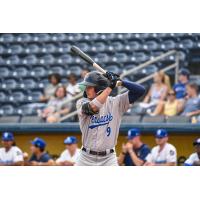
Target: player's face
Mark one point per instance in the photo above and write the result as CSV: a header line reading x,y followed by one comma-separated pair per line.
x,y
71,147
54,80
90,91
7,144
198,149
157,78
134,141
34,149
161,141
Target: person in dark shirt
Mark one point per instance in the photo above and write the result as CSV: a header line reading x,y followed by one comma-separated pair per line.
x,y
134,151
39,156
180,87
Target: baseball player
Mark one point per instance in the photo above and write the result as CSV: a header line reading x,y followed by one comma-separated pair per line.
x,y
9,153
194,159
164,154
134,152
100,117
69,156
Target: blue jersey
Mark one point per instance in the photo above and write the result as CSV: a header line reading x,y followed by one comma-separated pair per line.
x,y
45,157
180,89
141,153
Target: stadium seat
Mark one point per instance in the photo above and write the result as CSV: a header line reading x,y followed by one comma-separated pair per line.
x,y
75,70
47,60
133,46
4,72
20,72
15,49
13,60
156,119
151,45
85,47
49,48
140,57
186,44
9,119
30,60
25,37
39,71
32,49
131,119
178,119
7,109
29,83
99,47
3,96
27,110
58,37
58,70
7,38
31,119
101,58
120,58
17,96
168,44
34,96
2,49
114,68
64,59
9,84
64,48
41,37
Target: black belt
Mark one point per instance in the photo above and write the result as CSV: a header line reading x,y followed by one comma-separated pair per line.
x,y
95,153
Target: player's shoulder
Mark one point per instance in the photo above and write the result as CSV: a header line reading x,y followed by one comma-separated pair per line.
x,y
193,156
155,149
170,147
81,101
16,149
65,152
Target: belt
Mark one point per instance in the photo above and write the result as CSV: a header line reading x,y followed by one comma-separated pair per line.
x,y
101,153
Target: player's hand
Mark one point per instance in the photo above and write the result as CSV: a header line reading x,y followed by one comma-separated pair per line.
x,y
113,78
129,147
34,163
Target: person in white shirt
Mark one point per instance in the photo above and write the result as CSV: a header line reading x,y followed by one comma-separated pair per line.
x,y
72,87
10,155
69,156
164,154
194,159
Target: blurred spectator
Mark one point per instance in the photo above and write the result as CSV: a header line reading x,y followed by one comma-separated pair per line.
x,y
192,102
57,106
180,87
39,156
171,107
9,153
166,80
72,87
134,151
54,80
157,92
70,155
164,154
194,159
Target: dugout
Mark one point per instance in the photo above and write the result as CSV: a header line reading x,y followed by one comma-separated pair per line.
x,y
181,135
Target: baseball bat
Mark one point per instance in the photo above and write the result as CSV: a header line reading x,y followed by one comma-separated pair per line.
x,y
89,60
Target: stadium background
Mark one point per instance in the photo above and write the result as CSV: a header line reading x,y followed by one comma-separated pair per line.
x,y
26,60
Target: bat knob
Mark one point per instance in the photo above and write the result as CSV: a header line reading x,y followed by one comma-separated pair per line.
x,y
119,83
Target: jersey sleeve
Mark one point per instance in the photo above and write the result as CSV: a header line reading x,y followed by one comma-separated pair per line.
x,y
190,160
18,155
122,102
62,157
79,105
172,155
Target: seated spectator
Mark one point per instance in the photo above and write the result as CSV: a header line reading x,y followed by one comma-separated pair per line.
x,y
39,156
70,155
171,107
194,159
134,152
57,106
164,154
10,154
72,87
180,87
192,103
157,92
54,81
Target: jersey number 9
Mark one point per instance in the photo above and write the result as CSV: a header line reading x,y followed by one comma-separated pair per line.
x,y
108,130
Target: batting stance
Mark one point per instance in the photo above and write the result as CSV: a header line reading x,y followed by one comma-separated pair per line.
x,y
100,117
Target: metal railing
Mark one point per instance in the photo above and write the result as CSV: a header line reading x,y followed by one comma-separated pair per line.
x,y
146,64
135,69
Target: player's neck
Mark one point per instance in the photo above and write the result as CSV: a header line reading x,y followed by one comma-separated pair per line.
x,y
7,148
138,145
162,146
